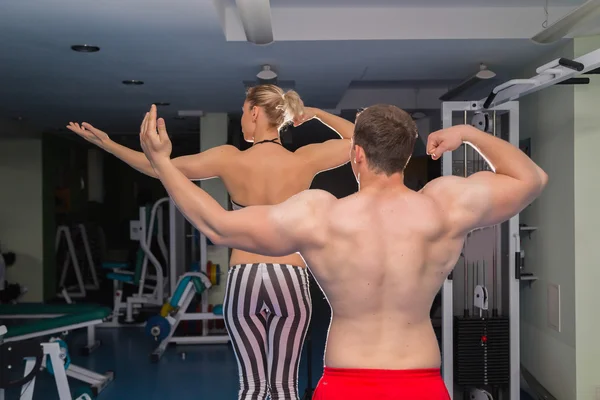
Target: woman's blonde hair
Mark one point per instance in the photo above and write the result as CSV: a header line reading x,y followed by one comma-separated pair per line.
x,y
280,107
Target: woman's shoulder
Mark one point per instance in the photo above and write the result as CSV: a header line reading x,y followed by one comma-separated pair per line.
x,y
228,148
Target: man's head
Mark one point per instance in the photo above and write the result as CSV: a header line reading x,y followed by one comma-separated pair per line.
x,y
384,139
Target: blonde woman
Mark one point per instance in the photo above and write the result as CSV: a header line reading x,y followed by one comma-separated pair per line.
x,y
267,306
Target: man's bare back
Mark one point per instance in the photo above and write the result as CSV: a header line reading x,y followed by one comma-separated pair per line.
x,y
387,257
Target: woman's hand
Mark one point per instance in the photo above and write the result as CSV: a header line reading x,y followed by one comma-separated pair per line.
x,y
308,114
89,133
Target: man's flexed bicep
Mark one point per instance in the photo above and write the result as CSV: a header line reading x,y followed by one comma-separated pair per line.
x,y
484,198
292,226
481,200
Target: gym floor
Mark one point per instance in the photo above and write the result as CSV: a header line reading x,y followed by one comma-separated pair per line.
x,y
206,372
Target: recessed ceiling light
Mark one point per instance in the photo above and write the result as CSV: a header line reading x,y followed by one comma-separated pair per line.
x,y
19,118
161,104
85,48
133,82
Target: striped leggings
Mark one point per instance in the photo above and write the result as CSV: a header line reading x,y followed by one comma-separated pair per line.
x,y
267,310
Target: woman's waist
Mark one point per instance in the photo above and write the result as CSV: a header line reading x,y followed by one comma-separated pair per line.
x,y
240,257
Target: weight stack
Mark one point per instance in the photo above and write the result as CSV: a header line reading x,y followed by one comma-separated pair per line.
x,y
481,351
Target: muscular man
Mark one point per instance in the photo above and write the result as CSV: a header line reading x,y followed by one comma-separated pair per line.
x,y
380,255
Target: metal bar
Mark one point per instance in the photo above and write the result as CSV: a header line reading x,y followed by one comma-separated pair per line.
x,y
447,287
496,245
27,389
590,61
203,262
71,258
161,236
52,331
91,336
200,317
172,247
144,245
465,174
60,376
88,253
200,339
513,280
30,316
88,376
575,81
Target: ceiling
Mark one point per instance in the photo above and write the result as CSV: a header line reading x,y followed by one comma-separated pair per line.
x,y
193,53
417,3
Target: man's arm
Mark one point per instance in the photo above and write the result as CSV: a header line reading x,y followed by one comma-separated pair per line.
x,y
332,153
277,230
487,198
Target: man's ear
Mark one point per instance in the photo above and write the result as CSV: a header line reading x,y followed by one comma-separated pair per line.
x,y
359,154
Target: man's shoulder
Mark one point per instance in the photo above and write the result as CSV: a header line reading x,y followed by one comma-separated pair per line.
x,y
304,217
315,199
442,185
305,204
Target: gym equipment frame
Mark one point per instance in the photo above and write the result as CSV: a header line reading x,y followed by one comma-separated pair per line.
x,y
501,102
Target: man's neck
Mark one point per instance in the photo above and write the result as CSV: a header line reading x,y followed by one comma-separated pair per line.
x,y
381,181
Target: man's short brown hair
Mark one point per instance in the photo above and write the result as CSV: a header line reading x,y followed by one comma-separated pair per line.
x,y
387,134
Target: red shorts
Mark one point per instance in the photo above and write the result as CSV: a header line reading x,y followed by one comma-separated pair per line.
x,y
379,384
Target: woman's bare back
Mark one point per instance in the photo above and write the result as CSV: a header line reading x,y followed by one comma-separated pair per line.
x,y
265,174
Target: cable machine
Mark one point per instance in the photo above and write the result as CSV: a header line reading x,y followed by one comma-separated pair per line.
x,y
480,298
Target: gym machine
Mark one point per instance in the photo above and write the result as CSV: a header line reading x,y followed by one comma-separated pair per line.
x,y
28,346
480,349
150,289
480,298
163,327
192,278
78,291
54,357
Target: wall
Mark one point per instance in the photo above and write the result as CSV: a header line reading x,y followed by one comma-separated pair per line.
x,y
587,221
64,166
21,211
547,118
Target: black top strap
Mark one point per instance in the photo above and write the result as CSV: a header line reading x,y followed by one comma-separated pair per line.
x,y
276,140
